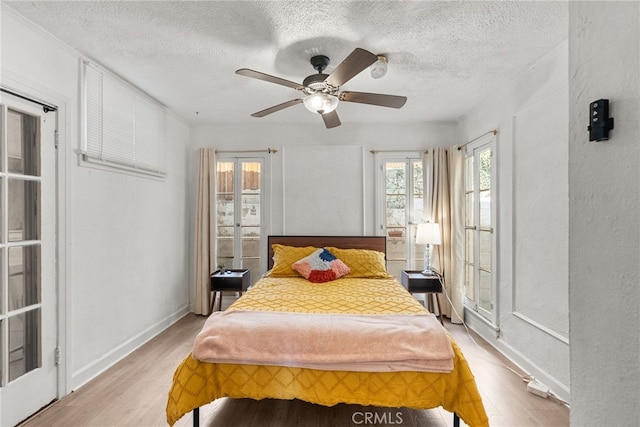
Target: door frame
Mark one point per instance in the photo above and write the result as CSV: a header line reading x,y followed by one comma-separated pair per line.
x,y
39,93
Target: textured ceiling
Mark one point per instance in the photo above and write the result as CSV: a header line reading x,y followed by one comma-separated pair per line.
x,y
444,56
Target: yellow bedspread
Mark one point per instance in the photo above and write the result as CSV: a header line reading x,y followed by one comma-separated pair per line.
x,y
197,383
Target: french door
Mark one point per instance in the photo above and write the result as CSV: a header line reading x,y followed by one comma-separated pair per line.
x,y
240,208
480,214
402,189
28,325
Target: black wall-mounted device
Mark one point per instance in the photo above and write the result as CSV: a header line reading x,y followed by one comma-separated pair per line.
x,y
599,121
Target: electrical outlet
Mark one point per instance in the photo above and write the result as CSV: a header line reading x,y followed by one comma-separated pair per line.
x,y
537,388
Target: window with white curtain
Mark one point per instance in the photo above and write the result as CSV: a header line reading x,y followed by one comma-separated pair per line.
x,y
122,127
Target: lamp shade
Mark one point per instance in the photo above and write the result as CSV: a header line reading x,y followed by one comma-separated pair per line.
x,y
320,102
428,234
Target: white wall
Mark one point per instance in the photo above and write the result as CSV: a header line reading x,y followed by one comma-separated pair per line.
x,y
604,232
323,190
263,135
123,243
531,116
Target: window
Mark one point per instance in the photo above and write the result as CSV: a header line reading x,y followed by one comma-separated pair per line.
x,y
480,212
240,206
400,208
122,127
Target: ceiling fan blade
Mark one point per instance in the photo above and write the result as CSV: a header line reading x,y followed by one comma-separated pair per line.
x,y
356,62
331,119
391,101
268,78
277,108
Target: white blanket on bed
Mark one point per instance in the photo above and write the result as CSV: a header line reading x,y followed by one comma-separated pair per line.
x,y
336,342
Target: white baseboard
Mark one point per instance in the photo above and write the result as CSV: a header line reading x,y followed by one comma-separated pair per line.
x,y
488,333
92,370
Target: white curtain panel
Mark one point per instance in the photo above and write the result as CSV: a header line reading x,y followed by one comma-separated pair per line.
x,y
456,188
443,195
205,230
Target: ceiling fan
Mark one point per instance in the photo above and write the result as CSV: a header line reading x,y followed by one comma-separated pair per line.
x,y
322,90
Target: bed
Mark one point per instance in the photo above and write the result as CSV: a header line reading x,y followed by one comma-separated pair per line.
x,y
368,291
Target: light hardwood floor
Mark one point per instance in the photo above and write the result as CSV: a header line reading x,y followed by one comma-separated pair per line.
x,y
134,393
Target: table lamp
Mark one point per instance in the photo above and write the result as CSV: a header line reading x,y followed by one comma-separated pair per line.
x,y
428,234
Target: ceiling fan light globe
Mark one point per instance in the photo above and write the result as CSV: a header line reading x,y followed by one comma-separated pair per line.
x,y
321,103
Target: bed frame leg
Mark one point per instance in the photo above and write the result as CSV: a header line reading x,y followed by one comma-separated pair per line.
x,y
456,420
196,417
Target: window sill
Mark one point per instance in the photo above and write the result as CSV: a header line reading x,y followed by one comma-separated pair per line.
x,y
114,167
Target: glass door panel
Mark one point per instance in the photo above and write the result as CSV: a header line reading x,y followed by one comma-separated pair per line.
x,y
23,246
24,276
485,209
485,290
470,229
23,219
485,231
479,239
396,216
251,217
417,201
403,208
24,343
23,131
239,202
469,283
28,322
484,260
225,214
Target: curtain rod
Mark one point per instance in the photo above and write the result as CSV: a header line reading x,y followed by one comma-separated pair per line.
x,y
268,150
45,107
393,151
495,131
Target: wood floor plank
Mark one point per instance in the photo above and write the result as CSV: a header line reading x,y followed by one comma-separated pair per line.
x,y
134,393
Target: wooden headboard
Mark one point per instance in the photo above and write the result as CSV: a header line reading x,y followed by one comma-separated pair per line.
x,y
376,243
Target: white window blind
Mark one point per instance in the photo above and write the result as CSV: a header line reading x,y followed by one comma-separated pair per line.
x,y
123,128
